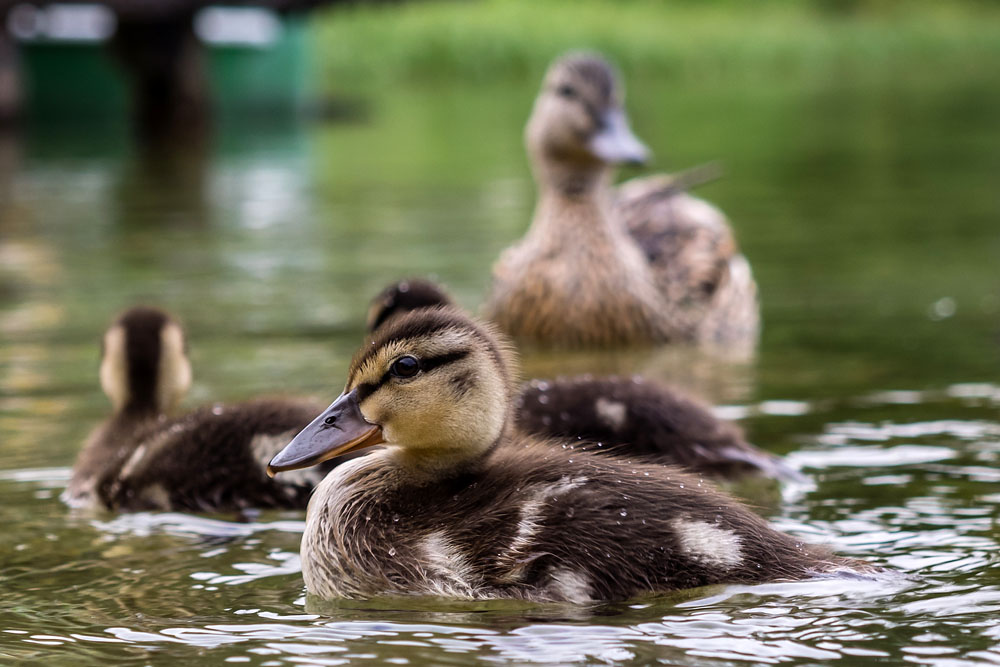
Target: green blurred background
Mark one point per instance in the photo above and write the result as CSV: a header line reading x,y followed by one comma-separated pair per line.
x,y
861,148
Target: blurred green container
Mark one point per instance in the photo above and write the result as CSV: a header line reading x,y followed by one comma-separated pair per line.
x,y
81,79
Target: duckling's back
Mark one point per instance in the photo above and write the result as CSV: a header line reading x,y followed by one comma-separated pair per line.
x,y
214,459
539,522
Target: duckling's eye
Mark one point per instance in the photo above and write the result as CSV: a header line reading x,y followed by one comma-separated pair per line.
x,y
405,367
567,91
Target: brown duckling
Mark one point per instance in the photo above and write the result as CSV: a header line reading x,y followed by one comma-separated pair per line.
x,y
631,416
459,504
643,264
212,459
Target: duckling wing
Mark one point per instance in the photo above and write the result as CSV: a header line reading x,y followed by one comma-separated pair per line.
x,y
214,459
699,270
583,527
637,417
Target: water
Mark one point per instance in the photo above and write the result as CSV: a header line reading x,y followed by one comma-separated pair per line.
x,y
868,208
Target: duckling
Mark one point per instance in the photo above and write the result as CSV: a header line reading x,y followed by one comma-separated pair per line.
x,y
459,504
645,264
631,416
212,459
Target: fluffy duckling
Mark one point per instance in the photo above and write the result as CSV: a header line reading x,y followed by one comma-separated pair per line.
x,y
458,504
645,264
627,415
212,459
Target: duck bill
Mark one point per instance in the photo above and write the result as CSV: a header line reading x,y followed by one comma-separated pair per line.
x,y
616,144
341,429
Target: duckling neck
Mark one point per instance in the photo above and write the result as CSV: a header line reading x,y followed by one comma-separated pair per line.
x,y
441,463
139,410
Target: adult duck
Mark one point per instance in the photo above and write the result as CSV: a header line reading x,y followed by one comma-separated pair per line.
x,y
642,264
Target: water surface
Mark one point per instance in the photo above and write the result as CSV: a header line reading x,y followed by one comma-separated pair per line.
x,y
869,210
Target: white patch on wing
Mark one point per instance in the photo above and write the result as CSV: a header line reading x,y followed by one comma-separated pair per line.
x,y
450,574
530,517
133,461
708,544
611,413
569,586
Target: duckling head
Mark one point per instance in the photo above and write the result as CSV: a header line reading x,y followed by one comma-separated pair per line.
x,y
144,363
579,119
432,384
402,297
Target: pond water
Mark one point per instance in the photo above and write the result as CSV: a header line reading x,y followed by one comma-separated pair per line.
x,y
869,209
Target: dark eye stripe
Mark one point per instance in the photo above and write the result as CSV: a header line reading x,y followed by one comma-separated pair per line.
x,y
366,389
431,363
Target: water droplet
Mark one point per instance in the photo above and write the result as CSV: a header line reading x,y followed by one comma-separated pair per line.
x,y
546,420
543,399
570,460
646,473
395,518
682,486
216,409
623,513
392,551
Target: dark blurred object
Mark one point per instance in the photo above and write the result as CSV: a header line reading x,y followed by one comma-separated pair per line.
x,y
181,59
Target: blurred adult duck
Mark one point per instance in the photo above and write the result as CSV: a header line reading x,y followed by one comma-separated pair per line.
x,y
644,263
629,415
459,504
211,459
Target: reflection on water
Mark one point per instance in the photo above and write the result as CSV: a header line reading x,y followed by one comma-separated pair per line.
x,y
175,585
876,376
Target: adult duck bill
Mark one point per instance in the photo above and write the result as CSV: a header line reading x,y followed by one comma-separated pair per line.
x,y
615,143
341,429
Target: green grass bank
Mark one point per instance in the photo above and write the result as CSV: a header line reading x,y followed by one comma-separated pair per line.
x,y
486,41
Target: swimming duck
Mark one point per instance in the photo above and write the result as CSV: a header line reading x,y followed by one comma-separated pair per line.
x,y
643,264
212,459
629,415
459,504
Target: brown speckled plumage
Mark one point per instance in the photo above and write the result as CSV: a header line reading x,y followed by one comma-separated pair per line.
x,y
471,509
638,417
641,264
211,459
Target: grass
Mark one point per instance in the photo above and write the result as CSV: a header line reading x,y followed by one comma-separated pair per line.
x,y
492,40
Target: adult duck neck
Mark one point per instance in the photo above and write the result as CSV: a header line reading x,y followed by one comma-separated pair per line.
x,y
573,200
